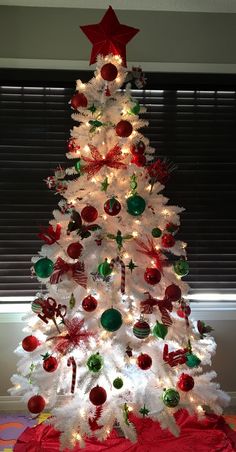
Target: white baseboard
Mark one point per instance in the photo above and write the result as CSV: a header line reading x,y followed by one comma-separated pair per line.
x,y
11,404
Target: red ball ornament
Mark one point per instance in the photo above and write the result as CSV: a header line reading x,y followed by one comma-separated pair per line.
x,y
74,250
89,303
109,72
36,404
30,343
72,146
144,361
89,214
185,383
139,160
173,293
124,129
78,100
98,396
167,240
152,276
50,364
112,207
184,312
138,149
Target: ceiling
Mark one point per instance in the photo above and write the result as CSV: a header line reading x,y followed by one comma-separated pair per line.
x,y
211,6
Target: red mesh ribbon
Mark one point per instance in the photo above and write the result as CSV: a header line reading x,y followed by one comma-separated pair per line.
x,y
93,420
49,235
147,307
112,160
174,358
148,249
75,334
76,272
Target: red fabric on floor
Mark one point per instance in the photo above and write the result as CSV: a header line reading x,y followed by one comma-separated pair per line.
x,y
210,435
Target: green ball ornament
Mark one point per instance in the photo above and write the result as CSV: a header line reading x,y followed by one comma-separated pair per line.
x,y
95,363
156,232
181,267
78,165
171,397
192,360
43,267
160,330
135,110
104,269
136,205
118,383
111,320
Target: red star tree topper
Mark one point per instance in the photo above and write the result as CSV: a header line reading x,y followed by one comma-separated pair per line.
x,y
109,36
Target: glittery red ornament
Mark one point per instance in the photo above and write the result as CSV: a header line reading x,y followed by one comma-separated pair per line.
x,y
30,343
89,303
36,404
152,276
50,364
173,293
138,149
139,160
72,146
124,129
78,100
185,382
112,207
182,313
74,250
167,240
98,395
109,72
89,214
144,361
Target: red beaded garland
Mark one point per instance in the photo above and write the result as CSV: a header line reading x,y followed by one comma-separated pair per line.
x,y
152,276
173,292
50,364
144,361
78,100
89,303
74,250
30,343
124,129
36,404
89,214
109,72
97,395
167,240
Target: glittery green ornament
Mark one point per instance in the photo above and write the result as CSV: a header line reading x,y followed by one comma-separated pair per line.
x,y
160,330
156,232
78,165
171,397
118,383
192,360
181,267
135,109
136,205
95,363
111,319
104,269
43,267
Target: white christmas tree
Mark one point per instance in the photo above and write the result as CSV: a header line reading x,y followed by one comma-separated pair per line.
x,y
112,334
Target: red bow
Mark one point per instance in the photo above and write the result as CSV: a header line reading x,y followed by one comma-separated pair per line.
x,y
112,159
149,250
174,358
75,335
76,271
164,306
49,235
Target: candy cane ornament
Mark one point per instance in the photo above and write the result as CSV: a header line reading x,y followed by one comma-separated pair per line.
x,y
117,260
71,362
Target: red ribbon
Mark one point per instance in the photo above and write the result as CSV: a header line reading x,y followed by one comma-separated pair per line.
x,y
76,270
174,358
75,335
147,307
148,249
49,235
112,160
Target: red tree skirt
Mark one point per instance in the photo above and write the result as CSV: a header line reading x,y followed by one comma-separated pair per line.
x,y
210,435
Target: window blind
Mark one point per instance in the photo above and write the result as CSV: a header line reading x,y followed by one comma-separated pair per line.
x,y
194,127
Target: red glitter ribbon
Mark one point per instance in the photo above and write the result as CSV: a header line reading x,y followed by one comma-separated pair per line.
x,y
76,271
112,160
49,235
148,249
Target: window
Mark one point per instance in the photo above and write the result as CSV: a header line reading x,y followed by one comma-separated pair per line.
x,y
192,123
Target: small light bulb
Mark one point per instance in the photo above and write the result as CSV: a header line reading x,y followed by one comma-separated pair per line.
x,y
200,409
86,148
135,234
126,255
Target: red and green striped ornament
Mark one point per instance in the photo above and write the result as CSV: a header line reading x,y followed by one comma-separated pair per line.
x,y
141,329
36,305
